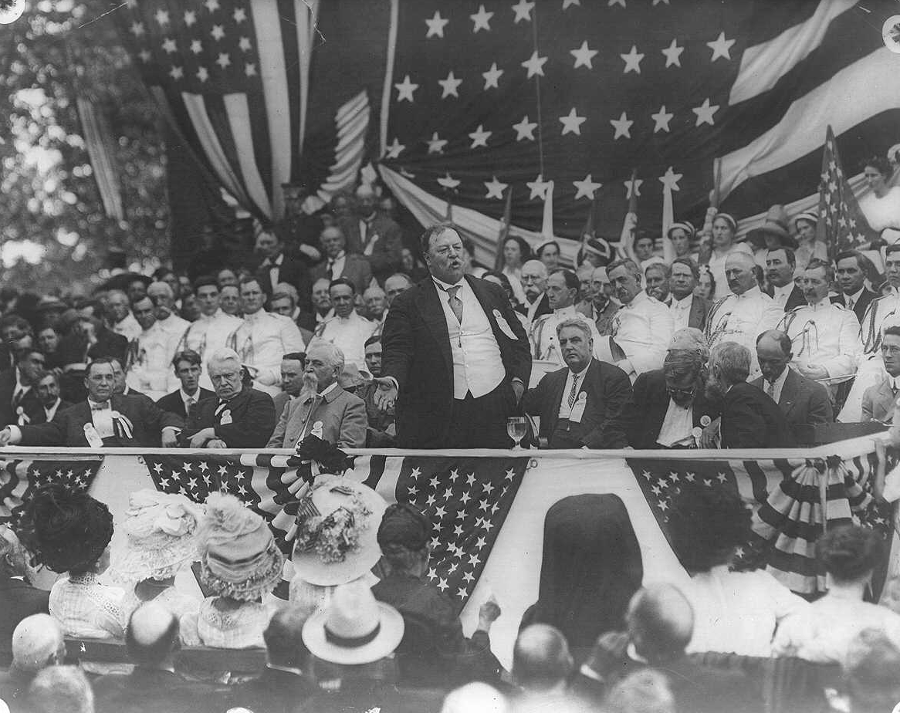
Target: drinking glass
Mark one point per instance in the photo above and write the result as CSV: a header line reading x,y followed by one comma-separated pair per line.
x,y
515,429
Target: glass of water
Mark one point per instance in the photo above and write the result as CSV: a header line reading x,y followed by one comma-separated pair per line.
x,y
515,429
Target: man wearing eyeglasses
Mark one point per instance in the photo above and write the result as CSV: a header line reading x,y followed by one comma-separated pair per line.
x,y
878,400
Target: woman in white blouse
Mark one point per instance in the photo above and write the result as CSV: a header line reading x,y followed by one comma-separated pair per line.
x,y
724,228
881,205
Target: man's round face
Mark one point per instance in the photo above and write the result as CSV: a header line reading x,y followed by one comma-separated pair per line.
x,y
318,362
576,348
682,281
373,358
332,240
48,340
188,374
320,298
892,269
269,246
444,256
600,287
226,277
208,299
772,359
365,202
657,283
226,378
681,387
164,303
625,285
375,302
558,294
283,306
118,306
136,290
778,270
185,287
534,281
230,299
849,276
815,285
48,390
739,274
890,353
174,283
291,376
394,286
100,382
144,313
341,207
31,364
342,299
252,297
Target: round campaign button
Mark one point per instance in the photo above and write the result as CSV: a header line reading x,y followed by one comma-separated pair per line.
x,y
11,10
890,33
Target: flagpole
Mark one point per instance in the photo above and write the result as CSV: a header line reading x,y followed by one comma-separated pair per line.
x,y
626,238
503,234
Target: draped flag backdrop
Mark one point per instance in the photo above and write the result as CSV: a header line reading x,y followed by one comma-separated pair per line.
x,y
473,98
488,509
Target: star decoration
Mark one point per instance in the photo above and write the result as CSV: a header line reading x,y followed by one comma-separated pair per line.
x,y
673,54
670,180
436,25
632,60
394,150
523,10
566,3
447,181
450,86
705,112
145,55
217,32
436,145
538,188
405,89
244,44
525,129
470,479
137,29
212,5
583,56
535,65
662,119
203,74
196,46
250,69
480,137
610,3
586,187
572,123
720,47
635,187
482,19
190,17
239,15
176,72
169,45
224,60
492,77
162,17
622,125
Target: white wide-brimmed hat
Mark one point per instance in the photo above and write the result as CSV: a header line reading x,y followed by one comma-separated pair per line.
x,y
337,531
355,629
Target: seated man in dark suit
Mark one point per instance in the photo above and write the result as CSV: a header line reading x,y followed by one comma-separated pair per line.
x,y
669,404
47,389
339,263
851,270
323,408
239,416
282,685
578,404
151,640
660,623
103,419
19,402
18,599
187,365
801,400
750,418
879,399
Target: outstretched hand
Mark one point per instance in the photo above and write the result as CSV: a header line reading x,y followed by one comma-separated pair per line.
x,y
386,394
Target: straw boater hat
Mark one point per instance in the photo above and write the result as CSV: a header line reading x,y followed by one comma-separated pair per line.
x,y
355,629
808,216
337,526
686,227
161,531
68,529
599,247
238,555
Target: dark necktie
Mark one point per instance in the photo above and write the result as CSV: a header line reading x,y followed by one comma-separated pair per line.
x,y
455,303
189,405
573,393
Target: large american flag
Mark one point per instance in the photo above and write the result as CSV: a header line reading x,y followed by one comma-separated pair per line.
x,y
20,477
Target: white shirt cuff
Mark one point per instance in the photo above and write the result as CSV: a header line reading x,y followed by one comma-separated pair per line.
x,y
15,434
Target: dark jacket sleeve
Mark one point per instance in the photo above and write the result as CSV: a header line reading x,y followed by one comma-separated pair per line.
x,y
519,366
746,425
47,434
389,256
820,409
156,419
254,429
630,421
397,340
616,393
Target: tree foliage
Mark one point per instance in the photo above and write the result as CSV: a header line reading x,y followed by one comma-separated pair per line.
x,y
59,50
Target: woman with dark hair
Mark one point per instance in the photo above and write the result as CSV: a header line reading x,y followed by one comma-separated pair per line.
x,y
824,633
516,252
70,533
734,612
881,205
590,569
706,285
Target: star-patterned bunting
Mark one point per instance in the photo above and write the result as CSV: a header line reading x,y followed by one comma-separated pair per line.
x,y
20,478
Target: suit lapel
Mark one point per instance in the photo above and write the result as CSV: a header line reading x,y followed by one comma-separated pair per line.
x,y
556,397
789,392
433,316
886,397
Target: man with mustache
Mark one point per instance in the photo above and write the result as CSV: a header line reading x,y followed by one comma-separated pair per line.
x,y
323,408
643,326
562,290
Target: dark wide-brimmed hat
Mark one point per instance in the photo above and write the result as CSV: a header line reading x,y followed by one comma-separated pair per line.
x,y
776,223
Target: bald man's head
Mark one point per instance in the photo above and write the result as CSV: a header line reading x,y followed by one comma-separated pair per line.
x,y
38,642
152,635
739,272
541,658
660,622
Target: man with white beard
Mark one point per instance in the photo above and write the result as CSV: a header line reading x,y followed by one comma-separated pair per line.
x,y
323,408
